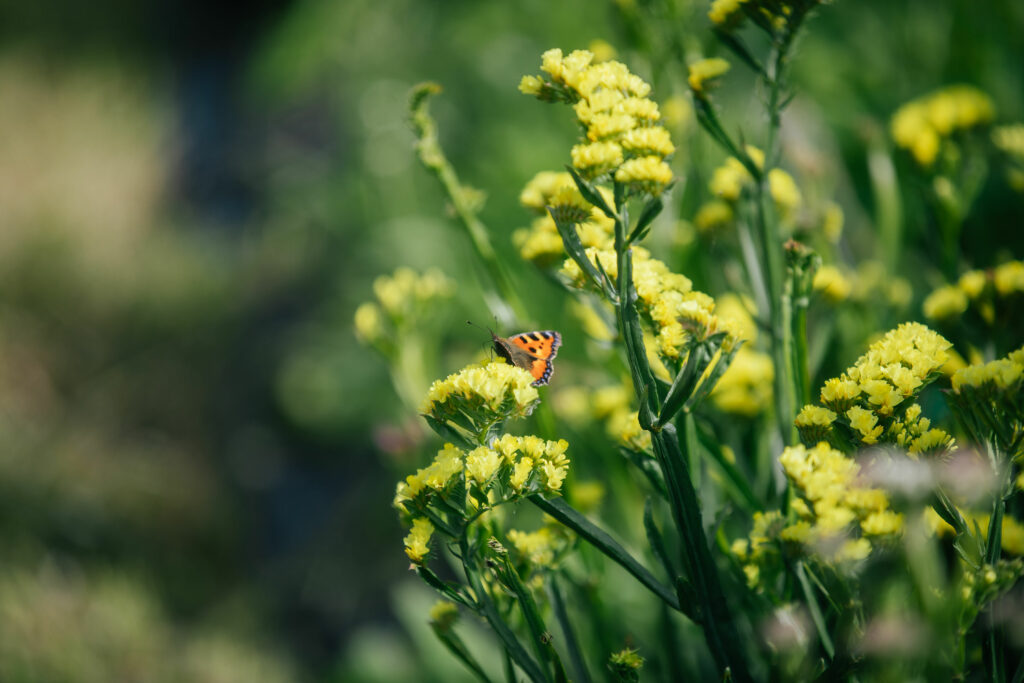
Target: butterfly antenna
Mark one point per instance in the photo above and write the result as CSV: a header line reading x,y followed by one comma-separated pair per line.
x,y
487,344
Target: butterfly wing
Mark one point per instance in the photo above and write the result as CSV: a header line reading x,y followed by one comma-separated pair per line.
x,y
538,349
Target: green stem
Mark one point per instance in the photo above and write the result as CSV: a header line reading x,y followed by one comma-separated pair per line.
x,y
993,641
799,348
715,617
571,643
490,613
507,307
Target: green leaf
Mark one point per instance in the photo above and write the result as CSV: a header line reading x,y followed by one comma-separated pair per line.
x,y
538,631
446,589
447,433
454,644
684,383
600,539
571,643
816,616
643,224
649,467
590,193
576,251
708,385
740,50
490,612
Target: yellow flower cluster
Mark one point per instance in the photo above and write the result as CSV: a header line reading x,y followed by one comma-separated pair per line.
x,y
981,292
773,16
1010,140
666,301
988,400
704,72
837,502
443,614
726,13
922,125
832,283
401,297
535,463
746,387
512,466
417,543
1012,531
537,548
541,243
1002,375
731,179
872,402
612,404
623,137
481,394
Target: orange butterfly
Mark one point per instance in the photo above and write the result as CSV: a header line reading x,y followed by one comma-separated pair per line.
x,y
531,351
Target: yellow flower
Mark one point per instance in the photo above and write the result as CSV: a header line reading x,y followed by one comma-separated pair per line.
x,y
649,173
481,464
814,423
832,222
726,13
945,303
972,283
713,215
483,393
531,85
537,547
839,394
882,523
443,614
864,421
728,180
417,543
539,190
368,322
921,125
652,140
597,158
832,284
785,192
1009,278
746,387
521,472
704,71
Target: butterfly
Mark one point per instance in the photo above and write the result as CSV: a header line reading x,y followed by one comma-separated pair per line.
x,y
531,351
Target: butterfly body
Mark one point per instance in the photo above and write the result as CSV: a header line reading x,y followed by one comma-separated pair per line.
x,y
531,351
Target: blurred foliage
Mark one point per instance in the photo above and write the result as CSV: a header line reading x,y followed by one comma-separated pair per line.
x,y
196,455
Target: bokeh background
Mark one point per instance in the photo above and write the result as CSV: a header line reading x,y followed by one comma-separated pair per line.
x,y
197,457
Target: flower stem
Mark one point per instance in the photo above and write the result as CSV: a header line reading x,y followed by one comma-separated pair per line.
x,y
505,302
715,617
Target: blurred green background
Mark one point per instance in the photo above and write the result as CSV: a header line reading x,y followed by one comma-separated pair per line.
x,y
196,457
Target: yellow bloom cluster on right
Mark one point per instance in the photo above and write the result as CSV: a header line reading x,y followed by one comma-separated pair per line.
x,y
922,125
988,399
872,402
1010,140
836,516
985,293
828,481
624,139
667,302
